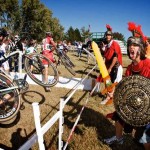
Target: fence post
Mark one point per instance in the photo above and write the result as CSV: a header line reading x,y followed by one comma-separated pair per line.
x,y
20,62
36,112
61,121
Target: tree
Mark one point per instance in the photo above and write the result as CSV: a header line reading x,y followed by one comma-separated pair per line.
x,y
118,36
70,35
85,33
10,14
73,35
57,29
77,35
31,18
37,19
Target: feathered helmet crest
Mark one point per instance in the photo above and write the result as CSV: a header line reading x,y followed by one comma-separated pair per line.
x,y
136,31
109,30
137,37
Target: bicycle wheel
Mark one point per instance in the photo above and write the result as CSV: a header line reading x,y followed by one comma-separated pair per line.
x,y
9,99
70,62
67,63
41,70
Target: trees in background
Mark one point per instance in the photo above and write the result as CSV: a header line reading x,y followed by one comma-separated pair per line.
x,y
118,36
32,19
77,35
10,16
29,18
73,35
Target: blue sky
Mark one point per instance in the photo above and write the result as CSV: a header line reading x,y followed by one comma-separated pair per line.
x,y
98,13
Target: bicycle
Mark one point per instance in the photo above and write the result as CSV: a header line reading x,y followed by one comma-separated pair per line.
x,y
10,89
62,57
34,67
9,107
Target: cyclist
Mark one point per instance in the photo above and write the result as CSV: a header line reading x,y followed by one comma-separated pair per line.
x,y
48,47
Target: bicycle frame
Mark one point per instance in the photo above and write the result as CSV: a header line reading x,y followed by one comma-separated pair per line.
x,y
20,58
19,68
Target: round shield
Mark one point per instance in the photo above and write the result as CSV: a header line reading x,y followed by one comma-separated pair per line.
x,y
132,100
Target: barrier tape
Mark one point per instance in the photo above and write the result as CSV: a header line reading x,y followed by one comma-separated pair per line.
x,y
75,124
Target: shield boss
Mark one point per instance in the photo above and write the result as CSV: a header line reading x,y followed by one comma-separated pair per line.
x,y
132,100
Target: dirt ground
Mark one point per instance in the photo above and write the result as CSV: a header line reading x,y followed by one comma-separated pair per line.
x,y
92,128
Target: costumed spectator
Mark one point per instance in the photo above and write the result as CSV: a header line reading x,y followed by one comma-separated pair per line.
x,y
148,48
48,47
140,65
111,52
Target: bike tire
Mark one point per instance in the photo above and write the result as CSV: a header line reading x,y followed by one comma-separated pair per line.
x,y
9,109
66,62
37,74
68,59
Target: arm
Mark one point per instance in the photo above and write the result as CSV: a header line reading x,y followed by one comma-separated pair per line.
x,y
53,44
114,61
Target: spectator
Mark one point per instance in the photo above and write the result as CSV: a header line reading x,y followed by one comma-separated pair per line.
x,y
17,47
31,49
79,49
65,46
4,65
140,65
60,46
3,45
113,60
148,48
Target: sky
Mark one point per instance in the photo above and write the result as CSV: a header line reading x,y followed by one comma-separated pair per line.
x,y
98,13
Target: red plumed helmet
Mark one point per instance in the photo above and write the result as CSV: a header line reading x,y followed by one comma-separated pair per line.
x,y
136,31
136,38
109,30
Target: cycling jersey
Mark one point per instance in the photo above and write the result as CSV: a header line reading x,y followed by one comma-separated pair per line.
x,y
30,50
47,49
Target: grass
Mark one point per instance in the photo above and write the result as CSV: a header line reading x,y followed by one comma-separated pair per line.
x,y
92,127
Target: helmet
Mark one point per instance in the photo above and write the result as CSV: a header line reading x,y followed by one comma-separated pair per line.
x,y
3,32
48,33
109,31
137,38
139,42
